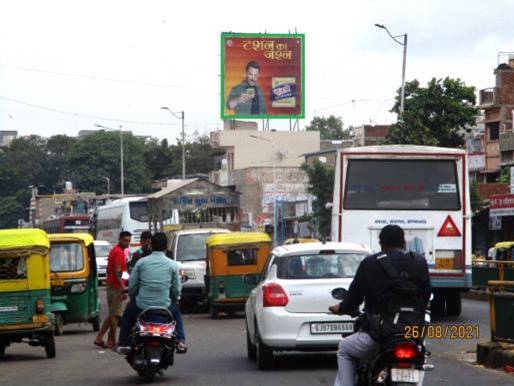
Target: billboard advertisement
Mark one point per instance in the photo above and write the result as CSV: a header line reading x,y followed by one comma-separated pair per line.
x,y
262,76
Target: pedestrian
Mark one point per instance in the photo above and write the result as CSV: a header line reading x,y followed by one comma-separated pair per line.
x,y
115,286
145,250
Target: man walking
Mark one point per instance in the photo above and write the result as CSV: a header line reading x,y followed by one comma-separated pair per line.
x,y
116,265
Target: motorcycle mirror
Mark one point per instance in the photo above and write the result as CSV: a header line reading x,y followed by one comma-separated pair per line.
x,y
431,296
339,293
125,275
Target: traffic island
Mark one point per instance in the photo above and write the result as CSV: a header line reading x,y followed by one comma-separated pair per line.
x,y
495,354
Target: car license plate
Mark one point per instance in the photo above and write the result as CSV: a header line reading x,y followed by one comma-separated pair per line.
x,y
331,328
405,375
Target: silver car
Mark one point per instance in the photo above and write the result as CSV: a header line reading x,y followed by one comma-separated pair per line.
x,y
102,249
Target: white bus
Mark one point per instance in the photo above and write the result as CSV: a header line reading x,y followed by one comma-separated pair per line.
x,y
425,190
126,214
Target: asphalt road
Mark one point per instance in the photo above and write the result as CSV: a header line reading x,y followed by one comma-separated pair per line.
x,y
217,356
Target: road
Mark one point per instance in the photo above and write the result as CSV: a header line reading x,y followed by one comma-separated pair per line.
x,y
217,356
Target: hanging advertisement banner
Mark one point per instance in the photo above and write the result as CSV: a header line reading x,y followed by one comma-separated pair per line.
x,y
262,76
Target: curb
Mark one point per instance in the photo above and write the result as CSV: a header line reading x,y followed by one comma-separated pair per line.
x,y
495,354
476,295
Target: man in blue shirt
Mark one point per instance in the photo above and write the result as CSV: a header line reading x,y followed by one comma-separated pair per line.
x,y
154,282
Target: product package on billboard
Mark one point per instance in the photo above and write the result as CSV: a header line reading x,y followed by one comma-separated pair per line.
x,y
262,76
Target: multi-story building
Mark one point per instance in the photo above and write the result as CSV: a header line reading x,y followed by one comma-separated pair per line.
x,y
6,136
497,103
370,135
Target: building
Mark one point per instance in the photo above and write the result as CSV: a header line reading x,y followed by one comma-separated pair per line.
x,y
328,152
265,167
6,136
368,135
497,103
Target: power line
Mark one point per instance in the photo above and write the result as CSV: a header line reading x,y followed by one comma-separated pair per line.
x,y
94,77
109,119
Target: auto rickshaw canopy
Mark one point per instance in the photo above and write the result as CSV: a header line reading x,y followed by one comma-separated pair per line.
x,y
237,238
504,244
28,240
86,238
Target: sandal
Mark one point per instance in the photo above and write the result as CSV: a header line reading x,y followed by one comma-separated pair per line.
x,y
99,343
181,348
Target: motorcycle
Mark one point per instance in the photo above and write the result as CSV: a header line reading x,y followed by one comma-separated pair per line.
x,y
153,342
399,361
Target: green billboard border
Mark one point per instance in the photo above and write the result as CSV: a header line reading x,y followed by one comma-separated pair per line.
x,y
222,77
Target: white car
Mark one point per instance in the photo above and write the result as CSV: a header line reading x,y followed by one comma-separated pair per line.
x,y
102,249
189,250
288,309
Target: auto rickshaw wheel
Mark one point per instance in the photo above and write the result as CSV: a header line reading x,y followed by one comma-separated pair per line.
x,y
96,323
59,324
251,349
213,311
49,344
264,355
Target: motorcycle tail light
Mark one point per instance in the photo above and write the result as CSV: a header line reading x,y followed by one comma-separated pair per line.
x,y
405,350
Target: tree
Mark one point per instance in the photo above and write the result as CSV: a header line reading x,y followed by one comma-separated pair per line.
x,y
329,128
438,114
59,149
321,186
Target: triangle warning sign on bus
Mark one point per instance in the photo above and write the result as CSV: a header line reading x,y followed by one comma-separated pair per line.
x,y
449,229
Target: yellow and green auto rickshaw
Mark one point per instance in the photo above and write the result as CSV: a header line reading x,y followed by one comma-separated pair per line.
x,y
74,280
25,305
504,251
235,261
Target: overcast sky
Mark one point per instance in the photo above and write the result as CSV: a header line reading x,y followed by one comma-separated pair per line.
x,y
168,51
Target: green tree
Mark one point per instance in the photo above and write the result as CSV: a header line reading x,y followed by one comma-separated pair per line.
x,y
321,186
60,151
438,114
477,203
159,159
97,156
329,128
11,210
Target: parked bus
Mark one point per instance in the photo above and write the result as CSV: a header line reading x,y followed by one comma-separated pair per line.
x,y
425,190
66,224
126,214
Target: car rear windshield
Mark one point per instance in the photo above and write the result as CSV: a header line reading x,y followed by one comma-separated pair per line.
x,y
326,266
102,250
402,185
192,247
66,257
139,211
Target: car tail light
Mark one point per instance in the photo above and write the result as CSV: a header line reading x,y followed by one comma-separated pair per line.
x,y
405,350
274,296
40,306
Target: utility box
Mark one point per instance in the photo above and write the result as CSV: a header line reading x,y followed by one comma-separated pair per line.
x,y
503,313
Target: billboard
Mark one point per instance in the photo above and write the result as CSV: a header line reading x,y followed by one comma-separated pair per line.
x,y
262,76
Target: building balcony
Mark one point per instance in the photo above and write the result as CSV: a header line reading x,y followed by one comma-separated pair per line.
x,y
488,96
507,142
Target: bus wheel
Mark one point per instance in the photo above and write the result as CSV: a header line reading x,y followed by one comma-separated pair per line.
x,y
453,303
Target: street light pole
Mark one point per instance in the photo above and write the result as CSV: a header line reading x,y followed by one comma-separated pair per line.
x,y
181,117
108,187
274,185
122,179
404,44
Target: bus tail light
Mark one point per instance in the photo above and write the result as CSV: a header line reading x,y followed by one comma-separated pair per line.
x,y
274,296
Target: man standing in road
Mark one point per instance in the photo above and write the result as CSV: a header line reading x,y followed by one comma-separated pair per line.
x,y
116,265
145,249
247,97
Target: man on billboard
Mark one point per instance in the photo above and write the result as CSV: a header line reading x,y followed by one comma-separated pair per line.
x,y
247,97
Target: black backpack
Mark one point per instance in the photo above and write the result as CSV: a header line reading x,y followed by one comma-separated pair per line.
x,y
401,303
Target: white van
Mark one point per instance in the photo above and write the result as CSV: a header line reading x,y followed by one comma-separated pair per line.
x,y
188,248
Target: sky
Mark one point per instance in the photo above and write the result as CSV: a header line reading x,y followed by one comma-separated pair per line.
x,y
68,65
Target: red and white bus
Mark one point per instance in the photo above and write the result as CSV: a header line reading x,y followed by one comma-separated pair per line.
x,y
67,224
425,190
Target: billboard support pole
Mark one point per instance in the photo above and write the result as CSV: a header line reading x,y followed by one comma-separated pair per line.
x,y
265,125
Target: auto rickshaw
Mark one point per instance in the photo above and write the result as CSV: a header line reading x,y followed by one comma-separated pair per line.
x,y
301,240
74,280
235,262
504,250
25,305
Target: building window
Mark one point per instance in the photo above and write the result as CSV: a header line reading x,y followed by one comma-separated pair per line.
x,y
494,131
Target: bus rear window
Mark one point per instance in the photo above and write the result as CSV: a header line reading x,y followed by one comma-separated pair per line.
x,y
402,185
139,211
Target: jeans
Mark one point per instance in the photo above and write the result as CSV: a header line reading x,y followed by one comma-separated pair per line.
x,y
352,348
129,319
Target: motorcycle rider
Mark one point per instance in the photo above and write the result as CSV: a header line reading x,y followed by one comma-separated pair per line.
x,y
154,279
368,285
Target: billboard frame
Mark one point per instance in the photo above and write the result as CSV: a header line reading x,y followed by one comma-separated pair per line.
x,y
224,35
